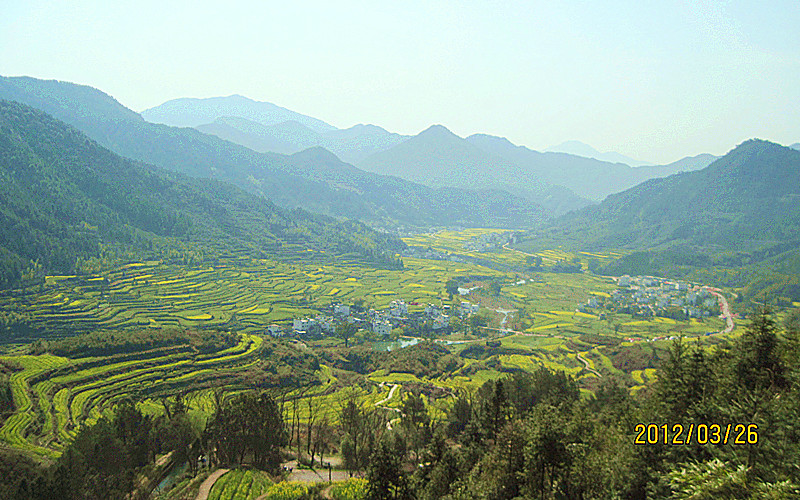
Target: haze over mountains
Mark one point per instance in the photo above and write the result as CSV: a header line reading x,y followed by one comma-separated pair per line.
x,y
330,187
62,195
438,178
749,198
190,112
560,182
579,148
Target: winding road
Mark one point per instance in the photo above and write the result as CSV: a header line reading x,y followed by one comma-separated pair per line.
x,y
588,365
388,398
724,309
205,488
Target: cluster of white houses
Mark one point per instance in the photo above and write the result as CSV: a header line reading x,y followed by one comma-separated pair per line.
x,y
649,296
490,241
382,322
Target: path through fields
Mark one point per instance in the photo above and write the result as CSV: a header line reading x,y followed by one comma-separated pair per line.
x,y
205,488
388,398
588,366
724,309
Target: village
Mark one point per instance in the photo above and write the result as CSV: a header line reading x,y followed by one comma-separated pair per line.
x,y
433,319
647,296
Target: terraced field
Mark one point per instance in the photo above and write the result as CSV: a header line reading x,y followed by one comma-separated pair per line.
x,y
240,485
242,294
54,396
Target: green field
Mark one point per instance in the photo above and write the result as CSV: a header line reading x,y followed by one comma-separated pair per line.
x,y
54,396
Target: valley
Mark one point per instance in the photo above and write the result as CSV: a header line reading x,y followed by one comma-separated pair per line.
x,y
533,320
233,310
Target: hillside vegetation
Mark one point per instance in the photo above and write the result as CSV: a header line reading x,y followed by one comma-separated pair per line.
x,y
65,199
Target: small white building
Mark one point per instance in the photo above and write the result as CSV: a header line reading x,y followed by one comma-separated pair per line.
x,y
341,310
468,308
624,280
275,330
681,286
431,310
325,323
382,327
441,321
398,309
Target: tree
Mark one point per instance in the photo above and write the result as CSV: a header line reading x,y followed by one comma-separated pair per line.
x,y
415,421
758,364
345,330
248,424
385,477
451,287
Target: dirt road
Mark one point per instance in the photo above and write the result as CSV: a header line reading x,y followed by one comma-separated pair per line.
x,y
205,488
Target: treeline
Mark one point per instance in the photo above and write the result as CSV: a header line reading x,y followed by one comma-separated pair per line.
x,y
116,458
62,197
530,435
111,342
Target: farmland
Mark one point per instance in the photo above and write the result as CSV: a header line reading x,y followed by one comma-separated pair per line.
x,y
531,320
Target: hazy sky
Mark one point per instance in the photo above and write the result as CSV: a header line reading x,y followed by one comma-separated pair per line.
x,y
655,80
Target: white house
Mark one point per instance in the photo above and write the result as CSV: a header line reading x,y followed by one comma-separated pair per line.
x,y
382,327
398,308
624,280
275,330
341,310
441,321
325,323
431,310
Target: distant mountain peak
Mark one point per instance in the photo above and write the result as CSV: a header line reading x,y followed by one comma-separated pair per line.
x,y
491,138
193,112
574,148
579,148
437,131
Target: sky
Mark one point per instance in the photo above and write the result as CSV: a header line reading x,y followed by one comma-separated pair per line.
x,y
654,80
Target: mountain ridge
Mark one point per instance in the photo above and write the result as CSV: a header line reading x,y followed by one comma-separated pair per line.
x,y
270,175
63,195
191,112
579,148
746,199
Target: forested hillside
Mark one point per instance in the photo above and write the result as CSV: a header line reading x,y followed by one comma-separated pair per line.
x,y
276,177
735,223
65,199
746,199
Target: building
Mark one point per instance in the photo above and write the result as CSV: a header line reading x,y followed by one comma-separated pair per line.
x,y
624,280
381,327
441,321
398,309
275,330
326,323
341,310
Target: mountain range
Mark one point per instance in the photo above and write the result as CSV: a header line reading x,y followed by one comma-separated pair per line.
x,y
190,112
330,187
748,199
579,148
744,200
63,195
435,157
